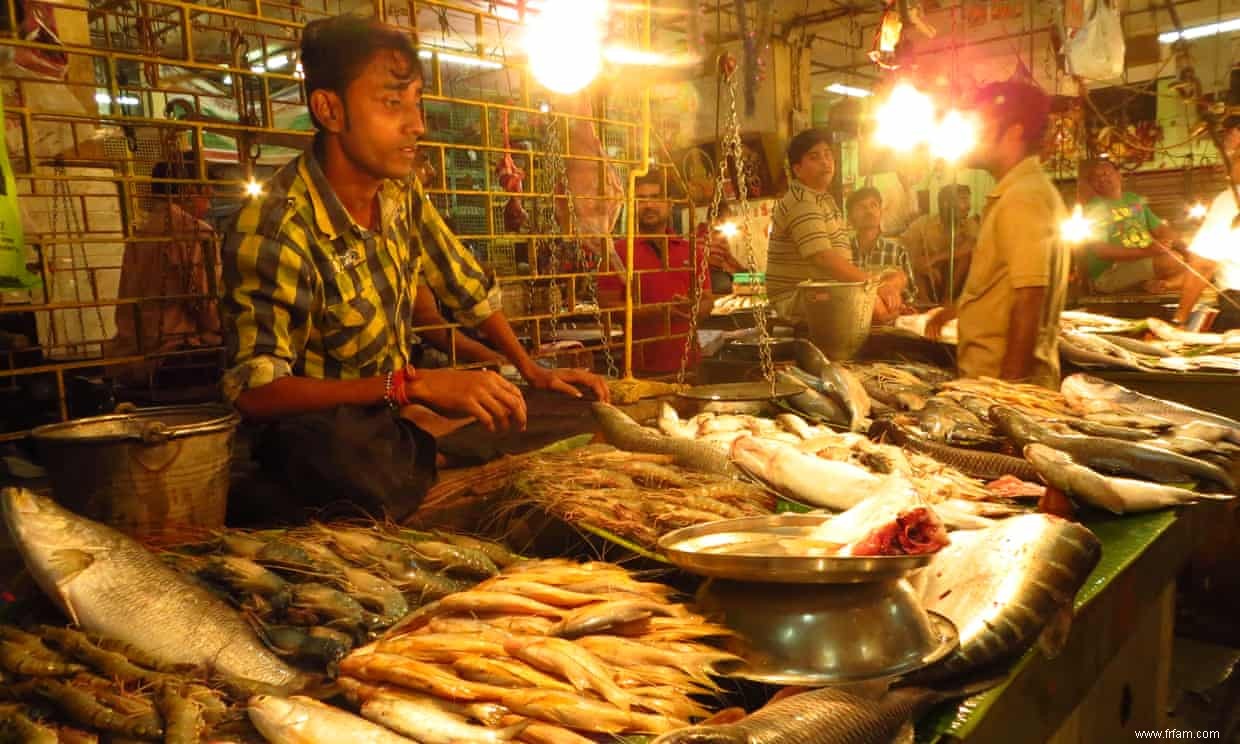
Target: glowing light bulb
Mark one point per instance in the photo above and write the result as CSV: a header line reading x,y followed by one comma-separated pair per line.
x,y
904,120
253,189
565,43
728,230
1077,228
1197,211
954,137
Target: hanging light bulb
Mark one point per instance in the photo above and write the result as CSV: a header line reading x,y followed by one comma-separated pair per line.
x,y
1197,211
253,189
953,137
728,229
904,118
565,43
1077,228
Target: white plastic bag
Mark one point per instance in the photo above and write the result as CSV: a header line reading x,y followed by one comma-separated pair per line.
x,y
1096,52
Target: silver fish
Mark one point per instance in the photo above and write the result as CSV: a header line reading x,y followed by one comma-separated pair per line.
x,y
835,381
625,433
302,720
113,587
1116,495
1001,586
813,403
829,715
1137,347
1091,395
425,719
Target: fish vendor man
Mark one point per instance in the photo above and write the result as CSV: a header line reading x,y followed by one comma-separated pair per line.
x,y
321,278
1018,278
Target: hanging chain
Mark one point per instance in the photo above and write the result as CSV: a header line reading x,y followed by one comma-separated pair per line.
x,y
731,145
555,175
558,172
701,275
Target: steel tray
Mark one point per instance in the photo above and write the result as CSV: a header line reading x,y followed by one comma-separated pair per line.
x,y
689,549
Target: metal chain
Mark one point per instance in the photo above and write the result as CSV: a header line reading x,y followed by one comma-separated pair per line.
x,y
731,145
701,275
558,170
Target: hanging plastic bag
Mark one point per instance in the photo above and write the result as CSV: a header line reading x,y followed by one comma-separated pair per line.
x,y
1096,52
13,273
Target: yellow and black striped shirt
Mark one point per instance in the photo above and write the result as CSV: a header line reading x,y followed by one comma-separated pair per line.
x,y
309,292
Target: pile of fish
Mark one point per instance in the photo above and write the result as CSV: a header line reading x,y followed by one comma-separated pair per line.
x,y
57,684
636,496
548,652
314,593
1100,342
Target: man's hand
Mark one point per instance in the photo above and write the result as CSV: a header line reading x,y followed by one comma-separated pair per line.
x,y
485,395
889,302
563,380
934,326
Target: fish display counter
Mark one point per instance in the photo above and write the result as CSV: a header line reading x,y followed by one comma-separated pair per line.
x,y
1038,535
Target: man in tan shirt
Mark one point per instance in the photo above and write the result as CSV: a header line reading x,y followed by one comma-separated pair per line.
x,y
1009,308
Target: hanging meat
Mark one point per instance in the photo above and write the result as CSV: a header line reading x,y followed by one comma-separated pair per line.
x,y
510,180
593,184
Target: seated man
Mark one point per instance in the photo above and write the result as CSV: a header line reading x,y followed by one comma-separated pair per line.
x,y
321,278
1132,249
667,276
809,239
928,241
872,251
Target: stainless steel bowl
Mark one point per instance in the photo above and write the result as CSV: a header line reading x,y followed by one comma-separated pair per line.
x,y
747,549
817,634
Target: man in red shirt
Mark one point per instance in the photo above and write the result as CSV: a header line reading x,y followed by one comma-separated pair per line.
x,y
664,273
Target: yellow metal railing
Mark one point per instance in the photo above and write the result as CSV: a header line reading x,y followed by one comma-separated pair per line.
x,y
157,52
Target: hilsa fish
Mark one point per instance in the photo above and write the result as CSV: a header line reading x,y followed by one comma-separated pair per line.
x,y
829,715
111,586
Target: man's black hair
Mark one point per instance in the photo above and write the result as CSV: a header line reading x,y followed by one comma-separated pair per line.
x,y
805,141
187,169
335,50
860,195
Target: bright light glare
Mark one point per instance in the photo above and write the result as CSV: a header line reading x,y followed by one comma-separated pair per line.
x,y
728,230
1197,211
1198,32
277,62
848,90
1077,228
253,189
565,43
904,119
953,137
103,98
462,60
258,68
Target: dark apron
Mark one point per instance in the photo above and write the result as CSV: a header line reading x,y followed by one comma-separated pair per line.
x,y
350,461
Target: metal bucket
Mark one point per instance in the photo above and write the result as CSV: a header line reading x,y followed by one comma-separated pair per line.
x,y
146,470
839,315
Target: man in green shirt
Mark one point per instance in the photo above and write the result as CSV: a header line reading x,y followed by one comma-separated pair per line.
x,y
1132,248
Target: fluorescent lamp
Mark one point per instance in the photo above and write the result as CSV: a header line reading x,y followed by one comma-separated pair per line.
x,y
103,98
127,100
1198,32
464,61
276,62
848,90
258,68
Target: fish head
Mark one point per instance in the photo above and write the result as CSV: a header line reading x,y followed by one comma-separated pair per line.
x,y
703,735
275,717
1044,457
56,544
753,454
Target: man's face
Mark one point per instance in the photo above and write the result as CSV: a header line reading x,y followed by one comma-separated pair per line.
x,y
988,135
816,167
866,214
383,117
964,203
653,211
1105,181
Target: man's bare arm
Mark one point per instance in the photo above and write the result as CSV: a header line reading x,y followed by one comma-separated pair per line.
x,y
1024,324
